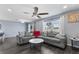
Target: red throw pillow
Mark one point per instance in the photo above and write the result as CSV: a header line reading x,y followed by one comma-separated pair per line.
x,y
37,33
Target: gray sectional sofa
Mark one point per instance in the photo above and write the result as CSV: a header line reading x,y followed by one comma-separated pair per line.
x,y
23,38
58,40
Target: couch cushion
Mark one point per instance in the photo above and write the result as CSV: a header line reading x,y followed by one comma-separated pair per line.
x,y
52,34
60,36
26,37
50,38
27,34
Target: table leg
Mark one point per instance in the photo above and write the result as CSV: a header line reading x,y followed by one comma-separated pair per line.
x,y
72,44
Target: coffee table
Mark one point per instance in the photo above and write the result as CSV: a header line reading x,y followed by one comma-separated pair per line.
x,y
36,42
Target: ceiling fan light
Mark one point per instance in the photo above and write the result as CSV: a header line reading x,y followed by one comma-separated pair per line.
x,y
10,10
65,6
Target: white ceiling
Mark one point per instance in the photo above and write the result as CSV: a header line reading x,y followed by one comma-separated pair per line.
x,y
19,9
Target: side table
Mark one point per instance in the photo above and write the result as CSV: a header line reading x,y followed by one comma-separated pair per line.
x,y
75,42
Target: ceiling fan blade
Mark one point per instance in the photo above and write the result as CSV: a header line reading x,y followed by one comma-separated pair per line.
x,y
38,16
32,15
43,14
35,10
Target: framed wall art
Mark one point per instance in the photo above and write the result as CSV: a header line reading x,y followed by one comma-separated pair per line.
x,y
73,17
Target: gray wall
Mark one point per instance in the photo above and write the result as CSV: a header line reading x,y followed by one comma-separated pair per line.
x,y
11,29
71,29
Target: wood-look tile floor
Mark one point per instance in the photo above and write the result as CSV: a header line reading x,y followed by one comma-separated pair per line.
x,y
10,47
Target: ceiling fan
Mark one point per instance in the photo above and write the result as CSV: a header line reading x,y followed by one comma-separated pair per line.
x,y
35,13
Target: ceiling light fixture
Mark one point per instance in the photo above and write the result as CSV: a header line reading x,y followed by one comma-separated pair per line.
x,y
9,10
23,20
65,6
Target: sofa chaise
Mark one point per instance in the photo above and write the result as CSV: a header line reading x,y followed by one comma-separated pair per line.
x,y
58,40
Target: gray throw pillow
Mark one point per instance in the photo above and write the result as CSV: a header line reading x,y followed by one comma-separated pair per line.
x,y
52,34
60,36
